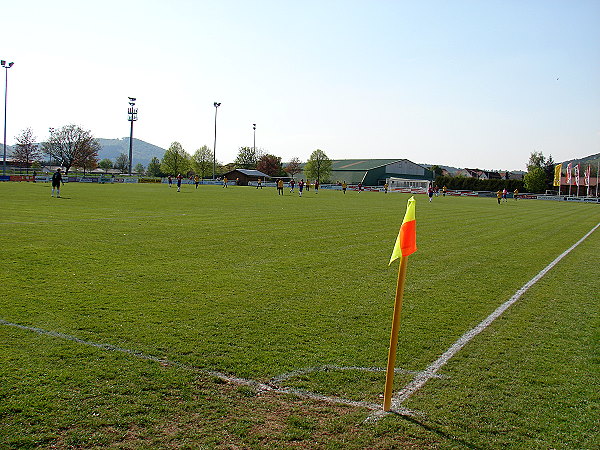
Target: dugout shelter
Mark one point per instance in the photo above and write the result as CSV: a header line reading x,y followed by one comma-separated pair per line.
x,y
245,175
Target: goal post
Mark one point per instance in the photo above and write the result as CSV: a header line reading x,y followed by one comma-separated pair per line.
x,y
407,183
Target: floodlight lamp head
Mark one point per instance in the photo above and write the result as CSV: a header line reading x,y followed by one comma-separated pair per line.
x,y
10,65
217,105
132,99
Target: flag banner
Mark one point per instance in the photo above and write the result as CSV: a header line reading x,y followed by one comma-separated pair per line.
x,y
557,174
588,173
569,168
577,175
406,242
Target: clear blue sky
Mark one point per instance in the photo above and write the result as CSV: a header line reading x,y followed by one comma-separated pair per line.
x,y
461,83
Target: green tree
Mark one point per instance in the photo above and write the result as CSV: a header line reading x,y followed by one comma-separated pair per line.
x,y
70,146
154,169
535,180
105,164
26,152
247,158
549,172
202,161
318,166
437,170
122,162
175,160
139,169
536,159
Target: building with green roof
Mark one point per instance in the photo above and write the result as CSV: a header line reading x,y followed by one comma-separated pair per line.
x,y
375,172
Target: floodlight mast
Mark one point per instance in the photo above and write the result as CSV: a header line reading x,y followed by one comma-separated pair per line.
x,y
6,67
132,117
254,130
216,105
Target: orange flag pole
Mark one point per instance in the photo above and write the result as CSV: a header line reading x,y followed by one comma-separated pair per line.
x,y
389,374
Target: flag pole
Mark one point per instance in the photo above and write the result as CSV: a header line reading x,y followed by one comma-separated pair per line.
x,y
597,177
389,375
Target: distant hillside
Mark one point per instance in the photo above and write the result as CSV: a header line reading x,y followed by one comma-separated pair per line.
x,y
592,159
143,152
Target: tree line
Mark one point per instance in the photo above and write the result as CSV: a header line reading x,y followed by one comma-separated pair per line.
x,y
475,184
71,146
177,161
68,146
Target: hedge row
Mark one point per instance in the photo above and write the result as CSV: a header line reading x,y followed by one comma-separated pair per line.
x,y
473,184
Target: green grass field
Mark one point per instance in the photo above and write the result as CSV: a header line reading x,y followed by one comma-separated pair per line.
x,y
249,284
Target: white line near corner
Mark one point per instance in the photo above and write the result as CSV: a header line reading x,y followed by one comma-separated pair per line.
x,y
259,386
430,372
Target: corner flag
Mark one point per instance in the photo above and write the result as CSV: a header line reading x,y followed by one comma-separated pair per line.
x,y
406,242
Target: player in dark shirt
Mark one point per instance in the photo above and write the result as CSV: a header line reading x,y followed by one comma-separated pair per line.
x,y
56,180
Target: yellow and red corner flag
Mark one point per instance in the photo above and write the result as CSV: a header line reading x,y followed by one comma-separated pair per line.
x,y
406,242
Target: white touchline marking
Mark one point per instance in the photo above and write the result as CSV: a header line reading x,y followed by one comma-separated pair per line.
x,y
424,376
229,379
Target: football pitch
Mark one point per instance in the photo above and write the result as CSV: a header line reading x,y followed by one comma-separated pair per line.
x,y
136,316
